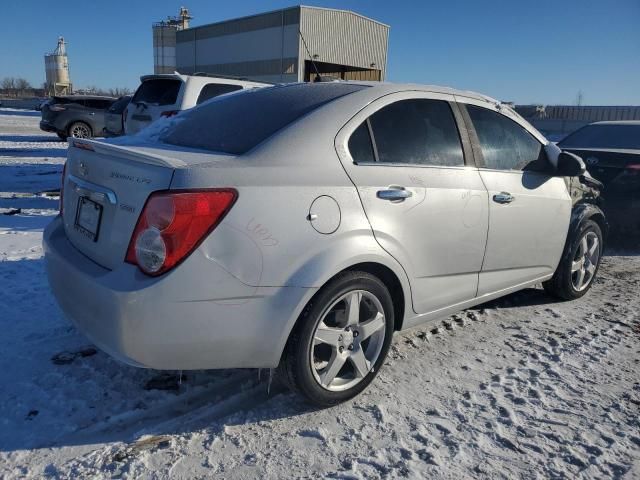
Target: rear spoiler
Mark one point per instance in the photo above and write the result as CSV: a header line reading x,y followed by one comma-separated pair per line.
x,y
127,152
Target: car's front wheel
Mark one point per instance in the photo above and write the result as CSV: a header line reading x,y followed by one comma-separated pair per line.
x,y
341,339
80,130
579,265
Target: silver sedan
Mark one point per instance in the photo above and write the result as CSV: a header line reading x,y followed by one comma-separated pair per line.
x,y
299,226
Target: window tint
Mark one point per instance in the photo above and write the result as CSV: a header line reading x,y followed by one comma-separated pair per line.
x,y
119,105
505,144
97,104
158,91
417,132
604,136
237,123
360,145
214,89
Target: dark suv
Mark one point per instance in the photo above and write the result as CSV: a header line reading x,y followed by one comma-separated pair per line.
x,y
78,116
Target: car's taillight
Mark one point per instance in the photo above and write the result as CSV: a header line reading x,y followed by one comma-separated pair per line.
x,y
64,171
634,167
57,108
173,224
169,113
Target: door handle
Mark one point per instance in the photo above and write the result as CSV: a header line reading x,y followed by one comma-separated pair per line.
x,y
503,197
394,194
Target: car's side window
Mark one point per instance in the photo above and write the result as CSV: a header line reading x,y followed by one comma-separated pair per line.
x,y
505,144
417,131
360,145
214,89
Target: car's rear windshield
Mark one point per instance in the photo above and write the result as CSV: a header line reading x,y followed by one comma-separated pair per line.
x,y
238,122
604,136
158,91
119,105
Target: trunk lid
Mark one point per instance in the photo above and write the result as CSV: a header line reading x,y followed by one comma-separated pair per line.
x,y
105,189
606,165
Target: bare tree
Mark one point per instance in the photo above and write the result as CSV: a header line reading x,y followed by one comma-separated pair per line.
x,y
9,85
119,92
22,85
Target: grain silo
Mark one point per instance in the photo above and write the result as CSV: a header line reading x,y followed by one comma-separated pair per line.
x,y
164,41
56,65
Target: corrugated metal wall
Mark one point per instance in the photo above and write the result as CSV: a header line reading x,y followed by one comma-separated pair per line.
x,y
261,47
164,49
268,46
557,121
592,113
344,38
583,113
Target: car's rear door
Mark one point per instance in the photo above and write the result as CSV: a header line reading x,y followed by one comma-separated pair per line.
x,y
427,206
529,207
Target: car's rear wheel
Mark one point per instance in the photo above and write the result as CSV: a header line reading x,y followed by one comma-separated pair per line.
x,y
80,130
579,265
341,339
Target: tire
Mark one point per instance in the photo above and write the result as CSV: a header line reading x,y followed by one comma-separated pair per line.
x,y
565,283
302,365
62,137
80,130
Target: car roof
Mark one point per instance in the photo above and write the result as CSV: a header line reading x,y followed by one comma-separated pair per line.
x,y
617,122
399,87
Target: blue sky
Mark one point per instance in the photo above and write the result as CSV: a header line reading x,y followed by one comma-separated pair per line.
x,y
527,51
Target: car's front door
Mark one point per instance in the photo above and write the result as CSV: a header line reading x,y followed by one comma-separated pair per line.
x,y
529,207
426,206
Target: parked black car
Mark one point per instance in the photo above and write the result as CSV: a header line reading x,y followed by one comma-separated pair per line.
x,y
79,116
611,152
113,117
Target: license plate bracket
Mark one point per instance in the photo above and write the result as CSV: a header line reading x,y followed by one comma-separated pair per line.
x,y
88,217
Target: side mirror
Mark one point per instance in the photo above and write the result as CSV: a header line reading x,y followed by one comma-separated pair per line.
x,y
570,165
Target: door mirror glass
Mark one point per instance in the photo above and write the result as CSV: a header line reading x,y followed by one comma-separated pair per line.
x,y
570,165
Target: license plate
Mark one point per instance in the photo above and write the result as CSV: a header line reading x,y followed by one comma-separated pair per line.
x,y
88,218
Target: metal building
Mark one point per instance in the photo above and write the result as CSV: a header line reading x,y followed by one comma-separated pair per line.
x,y
164,41
56,67
557,121
279,46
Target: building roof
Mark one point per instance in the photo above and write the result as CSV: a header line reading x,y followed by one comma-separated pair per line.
x,y
295,7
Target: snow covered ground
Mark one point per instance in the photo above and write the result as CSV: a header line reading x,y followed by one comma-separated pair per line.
x,y
524,387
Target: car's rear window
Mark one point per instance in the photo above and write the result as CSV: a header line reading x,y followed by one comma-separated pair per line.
x,y
604,136
158,91
236,123
119,105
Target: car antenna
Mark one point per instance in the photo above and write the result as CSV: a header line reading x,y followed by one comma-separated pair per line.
x,y
304,42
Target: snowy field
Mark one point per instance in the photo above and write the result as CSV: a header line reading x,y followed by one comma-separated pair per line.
x,y
524,387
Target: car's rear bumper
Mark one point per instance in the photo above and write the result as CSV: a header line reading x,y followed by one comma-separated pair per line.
x,y
174,321
47,127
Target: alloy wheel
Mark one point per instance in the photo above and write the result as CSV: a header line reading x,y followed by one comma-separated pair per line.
x,y
348,340
80,131
585,261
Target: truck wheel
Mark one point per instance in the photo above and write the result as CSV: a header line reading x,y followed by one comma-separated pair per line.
x,y
341,339
579,265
